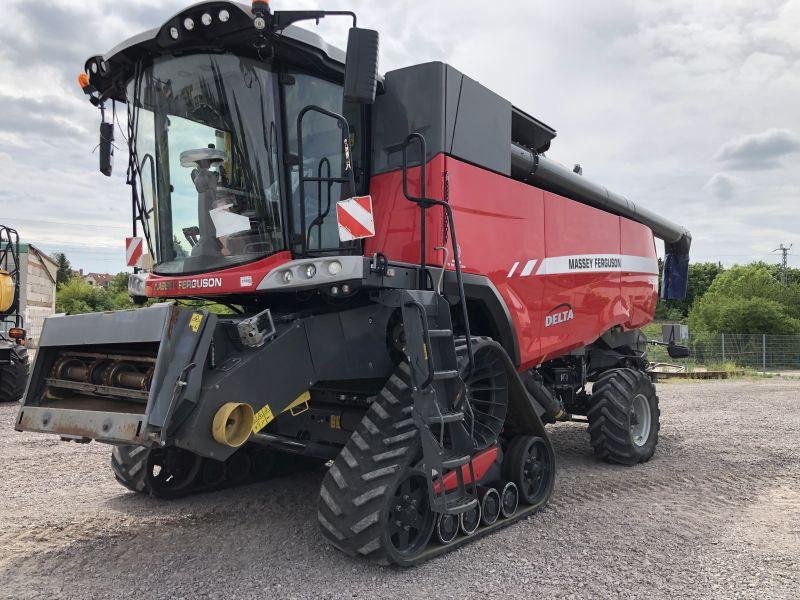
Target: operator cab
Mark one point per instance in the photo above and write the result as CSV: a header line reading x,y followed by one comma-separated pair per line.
x,y
240,138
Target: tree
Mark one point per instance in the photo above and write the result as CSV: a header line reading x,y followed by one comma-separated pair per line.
x,y
747,299
77,296
64,268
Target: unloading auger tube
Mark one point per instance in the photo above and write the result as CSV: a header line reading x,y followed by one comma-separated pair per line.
x,y
538,170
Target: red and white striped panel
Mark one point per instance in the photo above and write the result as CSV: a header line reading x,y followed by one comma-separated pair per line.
x,y
134,250
356,219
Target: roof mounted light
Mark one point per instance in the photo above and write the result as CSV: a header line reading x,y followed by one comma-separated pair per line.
x,y
224,15
206,19
174,33
188,23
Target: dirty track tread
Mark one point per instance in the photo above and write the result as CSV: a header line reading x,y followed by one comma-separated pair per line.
x,y
609,416
355,489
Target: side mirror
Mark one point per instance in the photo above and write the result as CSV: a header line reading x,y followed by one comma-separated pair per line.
x,y
676,351
361,66
106,148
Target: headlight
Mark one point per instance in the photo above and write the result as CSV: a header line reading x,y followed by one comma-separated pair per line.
x,y
287,277
334,267
310,271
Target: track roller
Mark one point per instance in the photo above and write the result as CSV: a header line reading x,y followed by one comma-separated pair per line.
x,y
509,500
470,520
490,506
447,528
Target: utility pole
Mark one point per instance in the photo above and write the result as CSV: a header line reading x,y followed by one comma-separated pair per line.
x,y
784,250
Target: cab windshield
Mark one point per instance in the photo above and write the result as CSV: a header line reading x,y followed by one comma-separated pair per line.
x,y
206,149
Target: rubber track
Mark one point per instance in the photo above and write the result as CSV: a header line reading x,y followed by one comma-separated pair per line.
x,y
609,431
12,381
358,484
129,466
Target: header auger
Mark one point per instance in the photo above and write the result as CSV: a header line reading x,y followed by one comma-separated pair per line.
x,y
415,290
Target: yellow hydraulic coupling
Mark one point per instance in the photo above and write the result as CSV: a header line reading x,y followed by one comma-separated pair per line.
x,y
233,424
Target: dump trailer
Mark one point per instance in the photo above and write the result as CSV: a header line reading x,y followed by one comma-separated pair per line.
x,y
13,353
413,289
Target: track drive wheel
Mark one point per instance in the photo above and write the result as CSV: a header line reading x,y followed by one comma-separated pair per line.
x,y
624,417
163,473
12,381
531,464
371,502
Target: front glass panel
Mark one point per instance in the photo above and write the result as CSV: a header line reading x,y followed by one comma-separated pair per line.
x,y
207,146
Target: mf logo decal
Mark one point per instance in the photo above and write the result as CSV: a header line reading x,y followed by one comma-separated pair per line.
x,y
204,283
560,314
195,322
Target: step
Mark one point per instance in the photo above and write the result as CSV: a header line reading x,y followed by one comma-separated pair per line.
x,y
453,462
460,505
440,333
440,375
453,417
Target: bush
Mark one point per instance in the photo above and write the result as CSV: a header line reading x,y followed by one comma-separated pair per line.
x,y
747,299
76,296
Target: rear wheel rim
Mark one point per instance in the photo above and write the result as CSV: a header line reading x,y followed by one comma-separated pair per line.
x,y
410,521
641,419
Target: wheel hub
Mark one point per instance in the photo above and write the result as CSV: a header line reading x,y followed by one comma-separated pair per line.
x,y
640,420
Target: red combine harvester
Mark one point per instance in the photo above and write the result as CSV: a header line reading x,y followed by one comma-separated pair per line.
x,y
414,288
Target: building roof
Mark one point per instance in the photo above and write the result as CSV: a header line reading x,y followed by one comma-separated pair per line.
x,y
50,265
101,279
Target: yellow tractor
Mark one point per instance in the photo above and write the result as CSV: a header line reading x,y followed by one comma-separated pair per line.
x,y
13,353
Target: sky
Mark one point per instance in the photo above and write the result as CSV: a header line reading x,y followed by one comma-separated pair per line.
x,y
688,108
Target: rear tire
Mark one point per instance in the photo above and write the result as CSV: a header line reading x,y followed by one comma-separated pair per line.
x,y
624,418
12,381
361,502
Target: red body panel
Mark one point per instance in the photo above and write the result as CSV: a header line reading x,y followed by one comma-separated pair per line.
x,y
241,279
566,271
481,463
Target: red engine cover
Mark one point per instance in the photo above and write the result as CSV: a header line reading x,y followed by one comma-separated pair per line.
x,y
566,271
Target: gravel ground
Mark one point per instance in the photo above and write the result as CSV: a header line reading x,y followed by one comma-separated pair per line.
x,y
715,514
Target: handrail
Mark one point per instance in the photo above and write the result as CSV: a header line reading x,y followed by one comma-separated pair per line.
x,y
425,203
302,179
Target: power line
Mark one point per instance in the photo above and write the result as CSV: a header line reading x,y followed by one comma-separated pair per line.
x,y
784,250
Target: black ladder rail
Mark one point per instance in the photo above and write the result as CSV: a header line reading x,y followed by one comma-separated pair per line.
x,y
425,203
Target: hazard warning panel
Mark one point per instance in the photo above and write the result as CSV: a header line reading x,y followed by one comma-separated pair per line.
x,y
355,217
134,249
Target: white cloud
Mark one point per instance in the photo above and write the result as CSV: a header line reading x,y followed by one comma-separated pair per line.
x,y
659,100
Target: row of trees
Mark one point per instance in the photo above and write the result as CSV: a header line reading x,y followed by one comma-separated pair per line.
x,y
742,299
75,295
